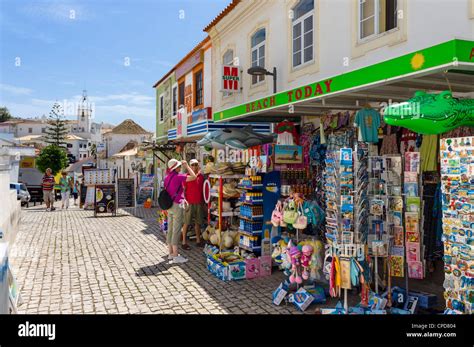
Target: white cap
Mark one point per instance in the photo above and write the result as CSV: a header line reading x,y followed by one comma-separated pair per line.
x,y
193,161
173,164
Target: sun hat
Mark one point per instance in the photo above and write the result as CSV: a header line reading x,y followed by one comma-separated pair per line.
x,y
173,164
193,161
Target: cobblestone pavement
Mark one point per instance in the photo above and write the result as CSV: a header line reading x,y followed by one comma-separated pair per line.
x,y
70,262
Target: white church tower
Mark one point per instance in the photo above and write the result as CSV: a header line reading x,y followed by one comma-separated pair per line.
x,y
84,115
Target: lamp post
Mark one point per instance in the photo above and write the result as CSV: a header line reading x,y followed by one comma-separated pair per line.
x,y
261,71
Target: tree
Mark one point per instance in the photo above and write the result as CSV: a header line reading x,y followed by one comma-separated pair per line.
x,y
56,131
53,157
4,114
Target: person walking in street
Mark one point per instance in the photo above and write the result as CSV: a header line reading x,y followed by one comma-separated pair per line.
x,y
193,193
48,189
66,184
75,192
174,185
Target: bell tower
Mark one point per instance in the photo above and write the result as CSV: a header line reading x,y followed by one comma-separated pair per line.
x,y
84,114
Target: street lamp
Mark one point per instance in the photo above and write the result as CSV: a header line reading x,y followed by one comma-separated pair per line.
x,y
261,71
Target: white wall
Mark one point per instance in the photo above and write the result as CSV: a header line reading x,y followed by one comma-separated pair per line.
x,y
115,142
207,71
425,23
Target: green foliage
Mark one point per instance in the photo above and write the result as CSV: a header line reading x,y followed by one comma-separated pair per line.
x,y
53,157
57,130
94,150
4,114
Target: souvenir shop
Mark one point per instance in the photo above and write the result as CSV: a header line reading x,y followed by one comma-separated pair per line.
x,y
360,216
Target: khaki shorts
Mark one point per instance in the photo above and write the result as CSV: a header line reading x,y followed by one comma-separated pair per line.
x,y
194,212
48,196
175,225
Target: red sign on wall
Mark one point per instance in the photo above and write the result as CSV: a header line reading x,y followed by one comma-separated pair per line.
x,y
230,78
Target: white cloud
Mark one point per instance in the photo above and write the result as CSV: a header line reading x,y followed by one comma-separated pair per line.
x,y
132,98
8,88
65,11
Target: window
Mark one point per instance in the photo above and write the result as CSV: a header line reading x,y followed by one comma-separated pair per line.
x,y
175,101
228,59
30,130
181,94
43,130
198,87
69,145
376,17
258,53
303,32
162,109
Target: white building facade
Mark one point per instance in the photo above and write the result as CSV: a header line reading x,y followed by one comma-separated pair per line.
x,y
316,40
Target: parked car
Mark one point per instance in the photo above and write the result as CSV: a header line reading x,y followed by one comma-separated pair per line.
x,y
22,193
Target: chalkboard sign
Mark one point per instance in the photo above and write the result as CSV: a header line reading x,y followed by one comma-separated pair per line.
x,y
143,194
126,192
104,199
83,190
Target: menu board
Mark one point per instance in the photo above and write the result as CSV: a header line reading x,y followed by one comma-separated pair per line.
x,y
104,199
102,176
126,192
143,194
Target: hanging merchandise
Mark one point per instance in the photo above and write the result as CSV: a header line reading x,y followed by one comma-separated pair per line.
x,y
457,177
429,153
287,134
408,141
368,122
389,142
431,113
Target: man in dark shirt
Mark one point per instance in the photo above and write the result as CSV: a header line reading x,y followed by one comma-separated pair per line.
x,y
48,189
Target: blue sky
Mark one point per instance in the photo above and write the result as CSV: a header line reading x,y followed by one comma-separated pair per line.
x,y
53,49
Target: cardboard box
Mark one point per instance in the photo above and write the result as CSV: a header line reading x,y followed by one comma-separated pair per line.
x,y
302,299
252,268
279,294
265,265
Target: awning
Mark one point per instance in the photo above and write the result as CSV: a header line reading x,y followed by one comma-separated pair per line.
x,y
445,66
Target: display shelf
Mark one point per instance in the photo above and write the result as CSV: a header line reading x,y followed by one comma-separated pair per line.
x,y
253,218
225,214
226,176
253,233
260,202
253,187
249,248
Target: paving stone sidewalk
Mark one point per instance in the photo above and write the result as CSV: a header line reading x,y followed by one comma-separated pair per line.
x,y
70,262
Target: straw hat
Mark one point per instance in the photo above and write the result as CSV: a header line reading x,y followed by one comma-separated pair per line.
x,y
173,164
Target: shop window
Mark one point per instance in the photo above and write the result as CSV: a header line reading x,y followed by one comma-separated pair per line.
x,y
181,94
198,87
162,109
376,17
258,53
303,33
228,59
175,101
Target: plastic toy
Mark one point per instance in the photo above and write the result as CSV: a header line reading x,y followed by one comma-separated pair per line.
x,y
295,256
235,138
431,113
306,260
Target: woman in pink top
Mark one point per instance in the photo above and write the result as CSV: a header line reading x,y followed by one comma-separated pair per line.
x,y
174,182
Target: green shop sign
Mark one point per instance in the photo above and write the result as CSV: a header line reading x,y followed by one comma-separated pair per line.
x,y
450,52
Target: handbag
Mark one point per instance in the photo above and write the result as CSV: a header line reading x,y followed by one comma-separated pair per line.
x,y
302,221
290,214
165,201
277,215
